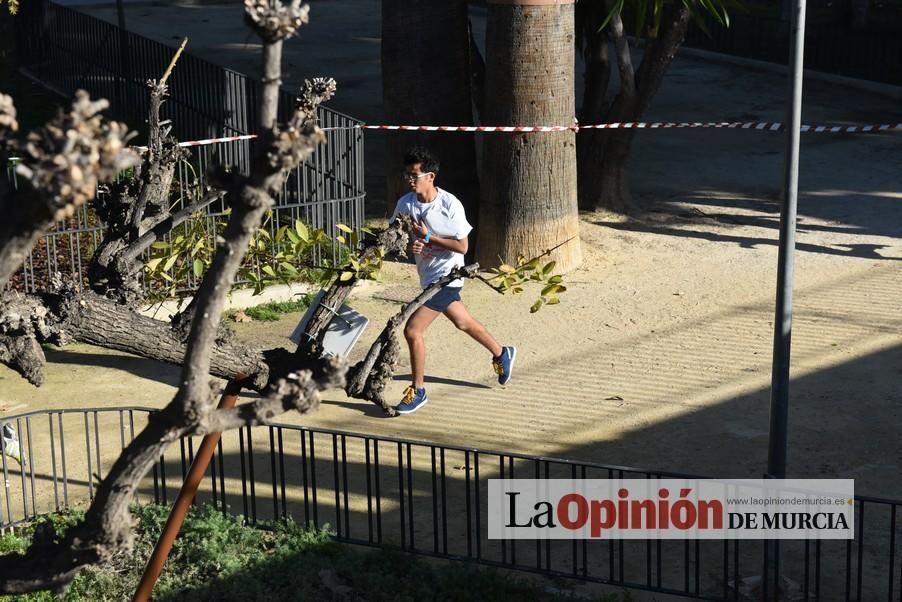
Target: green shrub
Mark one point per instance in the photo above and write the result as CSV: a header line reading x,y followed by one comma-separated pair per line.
x,y
270,312
217,557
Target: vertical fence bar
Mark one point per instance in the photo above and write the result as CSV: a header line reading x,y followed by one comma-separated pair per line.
x,y
401,496
378,491
861,537
88,455
63,460
892,550
272,467
282,475
410,498
369,490
444,503
336,486
344,476
304,478
34,510
313,480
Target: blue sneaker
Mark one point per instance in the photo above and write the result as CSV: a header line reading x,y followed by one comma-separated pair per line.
x,y
504,364
413,400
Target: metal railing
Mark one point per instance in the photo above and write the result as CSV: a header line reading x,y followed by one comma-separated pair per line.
x,y
430,499
321,192
68,50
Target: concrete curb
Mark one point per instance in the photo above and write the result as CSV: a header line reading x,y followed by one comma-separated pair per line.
x,y
245,297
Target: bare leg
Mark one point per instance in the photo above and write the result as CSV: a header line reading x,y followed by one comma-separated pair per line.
x,y
413,331
460,316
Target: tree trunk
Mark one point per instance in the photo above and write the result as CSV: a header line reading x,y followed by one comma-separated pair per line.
x,y
426,81
27,321
603,154
529,179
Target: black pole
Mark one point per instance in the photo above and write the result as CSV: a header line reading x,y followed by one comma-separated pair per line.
x,y
779,396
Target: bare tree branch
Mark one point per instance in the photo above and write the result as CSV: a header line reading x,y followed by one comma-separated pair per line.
x,y
624,60
59,168
156,233
367,379
296,391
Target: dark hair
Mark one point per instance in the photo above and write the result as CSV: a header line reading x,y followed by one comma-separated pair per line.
x,y
420,155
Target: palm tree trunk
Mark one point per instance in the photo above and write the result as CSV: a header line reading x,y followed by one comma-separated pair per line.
x,y
529,179
426,81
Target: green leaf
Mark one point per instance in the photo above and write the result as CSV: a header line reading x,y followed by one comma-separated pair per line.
x,y
289,268
366,230
160,244
556,279
507,269
615,10
153,264
267,269
301,230
343,228
552,301
536,306
345,276
280,234
549,267
550,289
340,239
170,262
198,267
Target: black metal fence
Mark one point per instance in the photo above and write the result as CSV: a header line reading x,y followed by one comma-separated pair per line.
x,y
831,48
431,499
68,50
322,192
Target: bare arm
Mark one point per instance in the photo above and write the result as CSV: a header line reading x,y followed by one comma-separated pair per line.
x,y
452,244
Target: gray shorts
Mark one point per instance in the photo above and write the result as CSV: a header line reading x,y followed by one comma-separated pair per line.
x,y
441,300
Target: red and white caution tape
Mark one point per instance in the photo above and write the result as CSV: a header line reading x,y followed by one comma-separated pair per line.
x,y
217,140
742,125
638,125
471,128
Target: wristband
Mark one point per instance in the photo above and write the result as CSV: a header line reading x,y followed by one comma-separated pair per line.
x,y
427,237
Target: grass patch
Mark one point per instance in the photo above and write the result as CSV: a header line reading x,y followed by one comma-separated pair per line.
x,y
216,557
270,312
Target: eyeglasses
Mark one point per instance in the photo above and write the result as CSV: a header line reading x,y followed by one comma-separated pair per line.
x,y
413,177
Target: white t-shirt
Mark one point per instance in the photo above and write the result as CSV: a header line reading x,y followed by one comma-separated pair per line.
x,y
445,217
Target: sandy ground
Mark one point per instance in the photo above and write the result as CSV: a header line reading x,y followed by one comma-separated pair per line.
x,y
659,355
